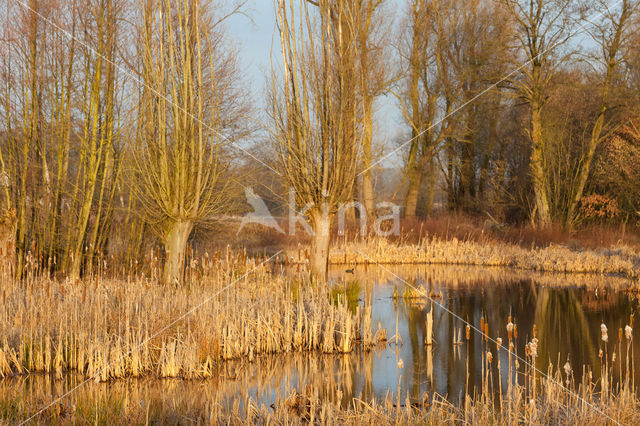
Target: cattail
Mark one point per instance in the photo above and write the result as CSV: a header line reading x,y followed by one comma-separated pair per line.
x,y
468,332
600,354
510,329
535,331
567,368
489,357
482,324
627,332
613,357
515,331
498,342
631,320
620,334
604,331
486,331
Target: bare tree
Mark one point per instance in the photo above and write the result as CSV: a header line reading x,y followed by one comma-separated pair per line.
x,y
542,28
317,113
96,168
424,62
612,37
374,79
190,108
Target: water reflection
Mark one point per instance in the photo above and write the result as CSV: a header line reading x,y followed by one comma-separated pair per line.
x,y
567,318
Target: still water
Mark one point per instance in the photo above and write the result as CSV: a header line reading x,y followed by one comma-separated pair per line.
x,y
567,311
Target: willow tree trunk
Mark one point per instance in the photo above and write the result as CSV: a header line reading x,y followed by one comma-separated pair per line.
x,y
319,262
367,146
411,202
541,210
175,247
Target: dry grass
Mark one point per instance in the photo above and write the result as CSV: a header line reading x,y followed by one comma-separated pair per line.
x,y
113,328
622,261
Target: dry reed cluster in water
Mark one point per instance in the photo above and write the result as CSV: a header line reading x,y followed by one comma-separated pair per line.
x,y
111,328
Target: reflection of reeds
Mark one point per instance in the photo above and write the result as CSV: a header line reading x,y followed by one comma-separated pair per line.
x,y
471,277
313,397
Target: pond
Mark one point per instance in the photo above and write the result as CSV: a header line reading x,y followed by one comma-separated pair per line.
x,y
567,312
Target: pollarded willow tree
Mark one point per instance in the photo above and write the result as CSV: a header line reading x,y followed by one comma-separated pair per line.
x,y
316,111
190,109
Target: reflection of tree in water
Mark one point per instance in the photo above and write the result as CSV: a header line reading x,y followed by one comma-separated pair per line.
x,y
563,330
413,315
566,328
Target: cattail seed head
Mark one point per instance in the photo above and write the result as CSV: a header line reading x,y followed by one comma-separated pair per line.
x,y
489,357
468,332
628,332
535,331
567,368
482,324
510,329
498,342
620,334
600,354
515,331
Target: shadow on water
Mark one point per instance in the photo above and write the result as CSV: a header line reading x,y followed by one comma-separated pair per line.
x,y
567,315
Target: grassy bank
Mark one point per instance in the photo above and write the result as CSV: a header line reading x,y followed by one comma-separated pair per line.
x,y
622,261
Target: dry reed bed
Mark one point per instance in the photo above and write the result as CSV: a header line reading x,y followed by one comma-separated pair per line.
x,y
109,328
622,261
